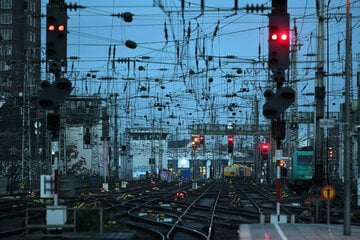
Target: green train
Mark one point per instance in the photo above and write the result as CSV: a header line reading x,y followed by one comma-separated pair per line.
x,y
301,169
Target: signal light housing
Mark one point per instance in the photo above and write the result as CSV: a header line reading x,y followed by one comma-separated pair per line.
x,y
195,140
331,152
53,121
56,37
202,139
231,140
264,147
278,102
278,129
279,31
53,95
264,151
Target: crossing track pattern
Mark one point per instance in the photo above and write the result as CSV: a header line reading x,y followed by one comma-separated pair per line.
x,y
156,210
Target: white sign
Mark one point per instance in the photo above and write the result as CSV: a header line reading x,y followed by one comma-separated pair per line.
x,y
278,154
46,186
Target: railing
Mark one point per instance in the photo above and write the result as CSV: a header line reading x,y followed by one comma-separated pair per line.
x,y
227,129
37,226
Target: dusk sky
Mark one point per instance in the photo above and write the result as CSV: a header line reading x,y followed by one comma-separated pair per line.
x,y
198,67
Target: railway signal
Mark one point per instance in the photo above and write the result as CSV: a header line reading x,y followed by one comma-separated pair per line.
x,y
278,102
264,151
278,129
53,95
264,156
282,163
53,121
56,37
202,139
279,41
180,195
265,147
195,140
331,152
87,136
231,140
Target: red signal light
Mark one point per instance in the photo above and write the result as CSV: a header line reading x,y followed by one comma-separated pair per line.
x,y
61,28
279,36
274,37
51,28
265,147
230,139
180,195
284,37
201,139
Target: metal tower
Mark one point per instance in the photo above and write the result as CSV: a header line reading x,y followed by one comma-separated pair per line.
x,y
293,123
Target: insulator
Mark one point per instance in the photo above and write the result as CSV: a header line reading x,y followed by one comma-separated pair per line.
x,y
130,44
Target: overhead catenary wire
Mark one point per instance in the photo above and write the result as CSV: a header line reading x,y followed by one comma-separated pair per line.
x,y
168,52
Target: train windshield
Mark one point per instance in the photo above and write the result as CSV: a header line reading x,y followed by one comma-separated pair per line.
x,y
305,159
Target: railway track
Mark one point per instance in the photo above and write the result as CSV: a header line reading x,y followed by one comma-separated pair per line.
x,y
203,213
206,210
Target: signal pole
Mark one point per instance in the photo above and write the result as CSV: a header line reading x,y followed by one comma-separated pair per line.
x,y
277,102
54,94
279,61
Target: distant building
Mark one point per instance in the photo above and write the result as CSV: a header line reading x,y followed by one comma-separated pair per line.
x,y
20,68
85,153
20,47
147,151
178,154
204,162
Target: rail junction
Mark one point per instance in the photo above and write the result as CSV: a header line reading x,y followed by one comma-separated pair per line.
x,y
166,210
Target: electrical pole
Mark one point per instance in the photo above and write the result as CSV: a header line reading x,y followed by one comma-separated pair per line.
x,y
319,98
105,138
26,169
293,125
116,143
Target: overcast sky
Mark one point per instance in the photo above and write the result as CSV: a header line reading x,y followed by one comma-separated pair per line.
x,y
196,67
